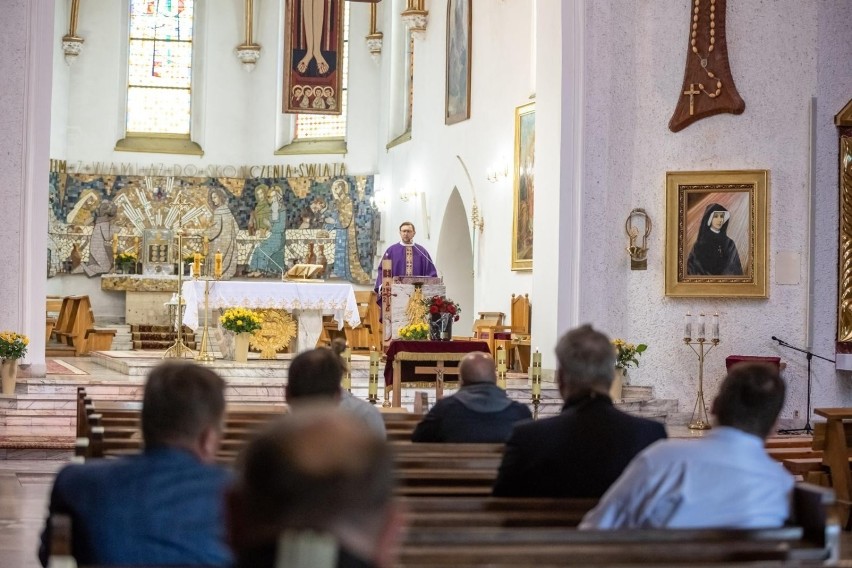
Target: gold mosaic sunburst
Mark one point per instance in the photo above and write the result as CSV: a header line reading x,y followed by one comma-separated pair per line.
x,y
276,333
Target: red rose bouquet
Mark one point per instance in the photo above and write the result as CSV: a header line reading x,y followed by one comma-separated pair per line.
x,y
443,305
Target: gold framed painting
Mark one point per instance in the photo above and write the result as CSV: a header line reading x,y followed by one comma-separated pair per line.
x,y
524,194
716,234
459,28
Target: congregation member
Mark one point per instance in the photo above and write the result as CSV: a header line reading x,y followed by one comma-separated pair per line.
x,y
315,377
582,451
408,258
164,506
480,412
315,490
723,480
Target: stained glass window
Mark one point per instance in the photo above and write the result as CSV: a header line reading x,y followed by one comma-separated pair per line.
x,y
329,125
160,66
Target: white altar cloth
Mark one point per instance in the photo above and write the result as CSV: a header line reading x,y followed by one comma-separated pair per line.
x,y
307,300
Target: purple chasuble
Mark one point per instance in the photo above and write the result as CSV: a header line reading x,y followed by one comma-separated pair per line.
x,y
420,264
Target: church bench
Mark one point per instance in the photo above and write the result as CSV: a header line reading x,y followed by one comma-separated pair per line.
x,y
75,326
788,442
446,449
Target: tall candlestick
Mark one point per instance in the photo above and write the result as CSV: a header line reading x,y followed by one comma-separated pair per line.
x,y
714,328
217,264
501,367
687,327
373,385
196,265
114,245
701,334
536,374
347,374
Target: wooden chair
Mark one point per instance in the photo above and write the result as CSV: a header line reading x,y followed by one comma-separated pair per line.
x,y
368,334
514,338
484,326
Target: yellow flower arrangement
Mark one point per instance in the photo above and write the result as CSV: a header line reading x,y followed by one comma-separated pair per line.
x,y
627,354
13,345
240,320
414,331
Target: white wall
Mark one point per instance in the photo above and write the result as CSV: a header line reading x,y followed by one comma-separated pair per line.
x,y
635,70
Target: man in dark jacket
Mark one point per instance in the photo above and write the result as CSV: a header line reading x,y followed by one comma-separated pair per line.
x,y
583,450
479,412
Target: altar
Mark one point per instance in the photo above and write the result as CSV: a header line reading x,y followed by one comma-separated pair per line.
x,y
308,302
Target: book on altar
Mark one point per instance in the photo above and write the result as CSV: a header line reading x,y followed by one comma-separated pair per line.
x,y
305,271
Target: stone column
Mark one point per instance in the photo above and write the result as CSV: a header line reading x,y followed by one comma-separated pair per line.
x,y
26,64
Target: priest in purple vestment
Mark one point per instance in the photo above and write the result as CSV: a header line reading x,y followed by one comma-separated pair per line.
x,y
408,258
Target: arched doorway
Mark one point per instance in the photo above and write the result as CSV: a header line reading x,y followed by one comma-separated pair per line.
x,y
454,259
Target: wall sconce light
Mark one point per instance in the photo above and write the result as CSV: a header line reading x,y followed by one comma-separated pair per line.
x,y
408,193
638,223
496,173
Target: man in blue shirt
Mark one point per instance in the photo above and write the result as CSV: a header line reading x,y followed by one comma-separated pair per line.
x,y
724,480
164,506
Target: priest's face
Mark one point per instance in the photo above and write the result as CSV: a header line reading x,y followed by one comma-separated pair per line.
x,y
406,233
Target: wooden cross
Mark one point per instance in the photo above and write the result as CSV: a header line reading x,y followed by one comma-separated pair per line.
x,y
691,92
706,66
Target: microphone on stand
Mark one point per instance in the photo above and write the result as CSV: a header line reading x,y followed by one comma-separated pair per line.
x,y
281,268
775,339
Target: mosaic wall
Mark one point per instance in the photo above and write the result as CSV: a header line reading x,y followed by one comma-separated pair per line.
x,y
260,225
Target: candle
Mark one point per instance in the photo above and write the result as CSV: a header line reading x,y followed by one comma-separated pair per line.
x,y
114,245
535,371
347,374
501,360
217,264
373,385
196,265
714,328
701,333
687,327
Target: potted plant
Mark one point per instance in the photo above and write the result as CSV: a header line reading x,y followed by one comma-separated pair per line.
x,y
442,313
626,356
242,322
414,331
13,346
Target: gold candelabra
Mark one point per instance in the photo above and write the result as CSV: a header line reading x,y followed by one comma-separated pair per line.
x,y
179,348
700,420
205,354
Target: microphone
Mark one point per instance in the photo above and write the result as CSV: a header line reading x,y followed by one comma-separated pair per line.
x,y
775,338
269,258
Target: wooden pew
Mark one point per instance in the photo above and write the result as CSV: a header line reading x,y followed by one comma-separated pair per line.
x,y
811,537
75,327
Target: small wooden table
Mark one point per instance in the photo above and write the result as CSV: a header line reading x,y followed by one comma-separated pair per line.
x,y
433,355
836,457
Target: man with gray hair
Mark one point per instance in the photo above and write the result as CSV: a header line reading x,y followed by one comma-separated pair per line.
x,y
583,450
480,412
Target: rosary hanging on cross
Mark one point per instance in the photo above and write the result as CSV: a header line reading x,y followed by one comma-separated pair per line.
x,y
708,86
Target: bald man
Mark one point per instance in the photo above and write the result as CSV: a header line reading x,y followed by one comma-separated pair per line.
x,y
480,412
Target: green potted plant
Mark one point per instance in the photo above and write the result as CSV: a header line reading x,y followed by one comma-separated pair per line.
x,y
626,356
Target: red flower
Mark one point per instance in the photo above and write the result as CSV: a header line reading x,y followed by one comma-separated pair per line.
x,y
433,309
439,301
451,308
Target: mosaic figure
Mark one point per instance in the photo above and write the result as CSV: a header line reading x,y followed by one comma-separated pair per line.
x,y
222,233
346,262
268,258
100,245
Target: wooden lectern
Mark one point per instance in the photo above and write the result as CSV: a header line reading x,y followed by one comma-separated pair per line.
x,y
396,292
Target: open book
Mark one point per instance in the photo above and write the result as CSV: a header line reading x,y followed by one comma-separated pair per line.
x,y
305,271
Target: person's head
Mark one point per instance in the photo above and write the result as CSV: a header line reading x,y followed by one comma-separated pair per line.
x,y
750,398
184,406
477,367
216,197
338,188
314,376
260,192
586,361
274,194
319,471
318,204
107,210
715,218
407,232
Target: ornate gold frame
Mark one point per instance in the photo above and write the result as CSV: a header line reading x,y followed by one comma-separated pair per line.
x,y
680,186
448,118
520,113
844,288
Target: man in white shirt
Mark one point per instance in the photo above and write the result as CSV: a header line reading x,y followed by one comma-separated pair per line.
x,y
724,480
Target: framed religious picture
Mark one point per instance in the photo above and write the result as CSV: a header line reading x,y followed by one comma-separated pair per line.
x,y
313,56
524,195
716,233
458,61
